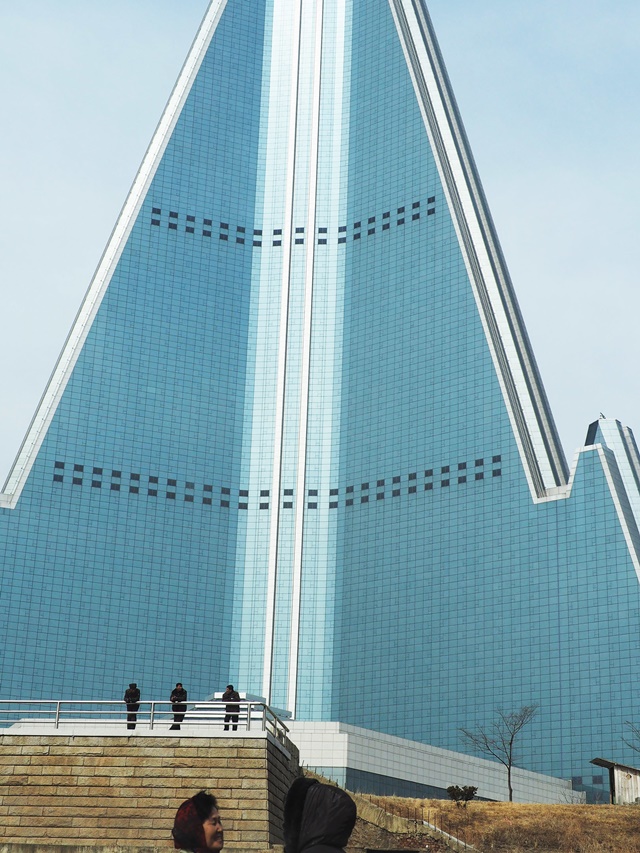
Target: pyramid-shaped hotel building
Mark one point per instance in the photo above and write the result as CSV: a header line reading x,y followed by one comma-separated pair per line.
x,y
297,439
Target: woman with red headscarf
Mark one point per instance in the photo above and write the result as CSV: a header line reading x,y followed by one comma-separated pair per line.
x,y
197,827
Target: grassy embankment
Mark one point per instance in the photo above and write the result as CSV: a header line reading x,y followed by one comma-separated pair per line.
x,y
517,828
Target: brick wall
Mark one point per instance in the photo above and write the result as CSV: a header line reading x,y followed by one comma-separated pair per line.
x,y
125,790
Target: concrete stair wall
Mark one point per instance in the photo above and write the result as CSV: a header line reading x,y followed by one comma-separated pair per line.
x,y
124,791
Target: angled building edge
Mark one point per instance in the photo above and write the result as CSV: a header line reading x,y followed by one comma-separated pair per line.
x,y
361,760
297,439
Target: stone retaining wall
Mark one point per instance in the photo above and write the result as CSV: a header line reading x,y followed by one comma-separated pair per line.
x,y
124,791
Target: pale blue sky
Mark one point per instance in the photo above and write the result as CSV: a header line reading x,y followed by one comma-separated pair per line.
x,y
550,95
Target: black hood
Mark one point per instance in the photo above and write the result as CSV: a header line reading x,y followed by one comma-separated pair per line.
x,y
317,815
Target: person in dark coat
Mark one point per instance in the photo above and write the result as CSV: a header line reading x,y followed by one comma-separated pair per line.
x,y
231,711
178,698
132,701
317,818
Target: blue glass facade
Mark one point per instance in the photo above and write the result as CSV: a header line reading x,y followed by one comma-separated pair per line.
x,y
297,439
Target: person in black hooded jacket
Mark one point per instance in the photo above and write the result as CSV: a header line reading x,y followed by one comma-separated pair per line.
x,y
317,818
132,701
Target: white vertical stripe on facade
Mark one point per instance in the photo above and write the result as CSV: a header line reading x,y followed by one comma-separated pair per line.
x,y
250,581
315,22
461,179
283,12
630,536
102,278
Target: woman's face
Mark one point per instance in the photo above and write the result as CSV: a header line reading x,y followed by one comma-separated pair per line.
x,y
213,834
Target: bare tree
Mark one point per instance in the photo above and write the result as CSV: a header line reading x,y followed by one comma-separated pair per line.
x,y
498,738
634,735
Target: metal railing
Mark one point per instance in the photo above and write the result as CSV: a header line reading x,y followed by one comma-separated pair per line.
x,y
150,715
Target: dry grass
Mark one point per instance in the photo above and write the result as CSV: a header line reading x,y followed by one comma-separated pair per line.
x,y
517,828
